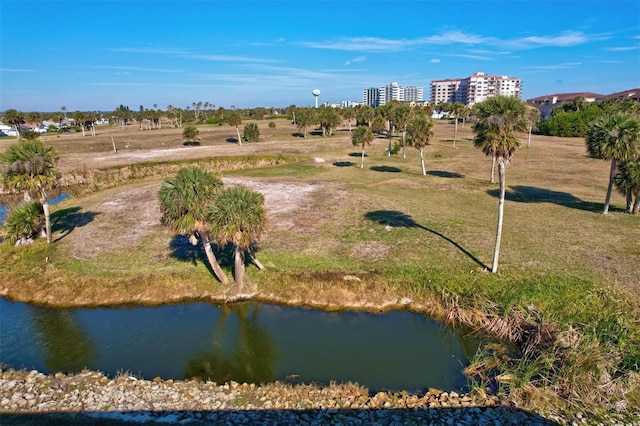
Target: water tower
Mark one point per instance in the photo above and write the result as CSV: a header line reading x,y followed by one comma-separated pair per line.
x,y
316,93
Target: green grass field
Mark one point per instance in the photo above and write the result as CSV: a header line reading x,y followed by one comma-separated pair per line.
x,y
398,234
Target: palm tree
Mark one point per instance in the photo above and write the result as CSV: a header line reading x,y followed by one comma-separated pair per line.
x,y
456,109
29,166
613,136
238,216
420,131
499,118
14,118
362,136
401,116
532,116
348,114
234,118
627,181
183,202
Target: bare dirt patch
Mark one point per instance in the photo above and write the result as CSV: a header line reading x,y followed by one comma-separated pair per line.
x,y
126,216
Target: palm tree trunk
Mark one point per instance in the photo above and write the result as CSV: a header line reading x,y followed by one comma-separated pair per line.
x,y
629,201
424,170
529,139
238,276
493,168
612,174
362,159
239,139
390,133
404,144
47,213
255,260
496,251
636,204
455,133
206,244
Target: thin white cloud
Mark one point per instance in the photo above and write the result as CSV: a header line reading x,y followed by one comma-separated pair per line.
x,y
435,61
187,54
16,70
622,49
556,66
129,69
378,45
228,58
356,59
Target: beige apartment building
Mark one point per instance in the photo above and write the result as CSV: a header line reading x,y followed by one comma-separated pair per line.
x,y
475,88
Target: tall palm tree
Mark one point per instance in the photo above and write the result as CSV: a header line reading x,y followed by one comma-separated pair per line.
x,y
29,166
613,136
420,131
627,181
456,109
499,118
183,202
238,216
533,116
362,136
401,116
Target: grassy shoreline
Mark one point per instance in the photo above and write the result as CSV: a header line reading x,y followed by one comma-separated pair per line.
x,y
386,238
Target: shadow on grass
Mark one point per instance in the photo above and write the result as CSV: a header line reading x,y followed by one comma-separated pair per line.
x,y
66,220
532,194
344,164
357,154
457,415
402,220
444,174
184,251
385,169
232,140
191,143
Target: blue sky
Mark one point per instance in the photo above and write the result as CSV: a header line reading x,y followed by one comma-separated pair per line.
x,y
96,55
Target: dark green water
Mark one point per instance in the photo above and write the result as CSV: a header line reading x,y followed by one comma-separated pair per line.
x,y
245,342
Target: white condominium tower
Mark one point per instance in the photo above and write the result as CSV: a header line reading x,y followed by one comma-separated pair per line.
x,y
376,96
475,88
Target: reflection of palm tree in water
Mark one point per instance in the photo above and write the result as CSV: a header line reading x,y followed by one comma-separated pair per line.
x,y
248,357
65,345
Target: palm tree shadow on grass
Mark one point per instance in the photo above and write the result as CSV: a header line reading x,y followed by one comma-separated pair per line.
x,y
532,194
385,169
66,220
184,251
444,174
402,220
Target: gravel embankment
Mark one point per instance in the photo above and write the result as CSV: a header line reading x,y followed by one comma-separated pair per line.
x,y
98,399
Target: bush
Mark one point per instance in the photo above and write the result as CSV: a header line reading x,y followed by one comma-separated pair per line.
x,y
251,132
272,125
24,222
190,133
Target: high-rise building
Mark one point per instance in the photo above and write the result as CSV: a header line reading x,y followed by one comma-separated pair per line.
x,y
371,97
475,88
380,96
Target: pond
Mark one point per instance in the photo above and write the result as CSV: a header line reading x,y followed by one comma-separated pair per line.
x,y
246,342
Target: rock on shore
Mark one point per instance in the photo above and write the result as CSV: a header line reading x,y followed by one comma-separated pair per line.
x,y
94,397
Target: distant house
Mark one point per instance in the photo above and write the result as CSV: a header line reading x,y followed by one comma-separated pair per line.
x,y
7,130
547,103
633,94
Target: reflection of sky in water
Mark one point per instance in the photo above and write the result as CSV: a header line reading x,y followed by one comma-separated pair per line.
x,y
53,201
396,350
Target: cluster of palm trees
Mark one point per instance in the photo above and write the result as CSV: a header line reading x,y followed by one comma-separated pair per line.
x,y
195,203
29,167
615,136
